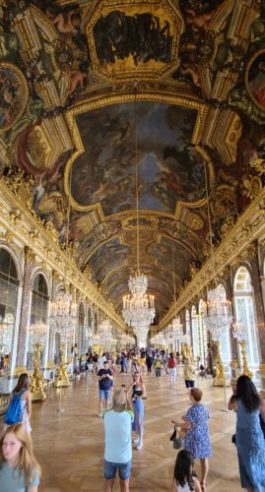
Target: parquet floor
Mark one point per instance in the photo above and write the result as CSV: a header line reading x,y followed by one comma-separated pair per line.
x,y
68,438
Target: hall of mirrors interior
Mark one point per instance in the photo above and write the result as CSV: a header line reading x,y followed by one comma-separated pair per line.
x,y
132,145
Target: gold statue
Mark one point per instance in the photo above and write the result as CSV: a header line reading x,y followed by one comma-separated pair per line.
x,y
219,379
61,378
37,380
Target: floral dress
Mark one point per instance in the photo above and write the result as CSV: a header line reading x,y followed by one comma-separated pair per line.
x,y
197,440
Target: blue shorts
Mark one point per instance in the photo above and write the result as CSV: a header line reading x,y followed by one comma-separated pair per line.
x,y
189,384
104,394
110,470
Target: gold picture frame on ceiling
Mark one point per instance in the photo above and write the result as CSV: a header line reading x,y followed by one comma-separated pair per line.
x,y
255,79
15,95
165,12
96,103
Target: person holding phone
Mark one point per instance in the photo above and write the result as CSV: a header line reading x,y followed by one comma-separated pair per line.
x,y
105,382
137,392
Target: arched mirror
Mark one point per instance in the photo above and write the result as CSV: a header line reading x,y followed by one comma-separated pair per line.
x,y
9,285
38,328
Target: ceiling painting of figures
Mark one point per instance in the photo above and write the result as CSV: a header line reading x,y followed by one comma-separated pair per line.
x,y
111,253
169,168
77,78
178,257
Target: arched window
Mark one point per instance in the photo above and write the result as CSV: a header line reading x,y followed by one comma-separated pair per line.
x,y
81,324
9,285
244,312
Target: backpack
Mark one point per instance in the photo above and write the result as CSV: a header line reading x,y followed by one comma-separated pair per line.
x,y
13,414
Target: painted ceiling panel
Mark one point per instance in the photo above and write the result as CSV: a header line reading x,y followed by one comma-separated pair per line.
x,y
169,169
194,73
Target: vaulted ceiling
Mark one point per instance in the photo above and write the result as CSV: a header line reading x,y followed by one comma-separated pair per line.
x,y
92,90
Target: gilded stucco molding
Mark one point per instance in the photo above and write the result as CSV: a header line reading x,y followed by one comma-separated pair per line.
x,y
40,241
249,227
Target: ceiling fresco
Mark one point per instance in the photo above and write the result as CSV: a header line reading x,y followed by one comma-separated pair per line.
x,y
169,168
194,72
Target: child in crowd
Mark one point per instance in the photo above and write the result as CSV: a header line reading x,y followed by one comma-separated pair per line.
x,y
19,469
185,479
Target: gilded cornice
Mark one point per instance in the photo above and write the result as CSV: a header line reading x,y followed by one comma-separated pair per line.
x,y
20,223
248,228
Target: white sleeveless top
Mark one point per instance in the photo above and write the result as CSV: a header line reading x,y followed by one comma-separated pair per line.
x,y
183,489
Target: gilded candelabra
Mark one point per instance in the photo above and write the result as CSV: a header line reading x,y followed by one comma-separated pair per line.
x,y
37,380
61,378
240,333
245,369
219,379
217,320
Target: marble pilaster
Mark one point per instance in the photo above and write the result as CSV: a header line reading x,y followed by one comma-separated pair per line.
x,y
25,308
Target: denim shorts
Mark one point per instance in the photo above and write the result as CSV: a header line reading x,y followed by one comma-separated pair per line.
x,y
104,394
110,470
189,384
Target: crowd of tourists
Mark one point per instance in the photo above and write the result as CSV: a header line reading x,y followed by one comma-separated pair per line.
x,y
122,410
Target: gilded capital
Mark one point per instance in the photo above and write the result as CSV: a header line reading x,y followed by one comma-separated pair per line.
x,y
29,255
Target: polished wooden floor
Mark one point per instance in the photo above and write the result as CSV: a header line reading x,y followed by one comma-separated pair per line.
x,y
68,438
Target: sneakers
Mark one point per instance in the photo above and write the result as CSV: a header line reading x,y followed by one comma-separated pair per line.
x,y
139,445
100,414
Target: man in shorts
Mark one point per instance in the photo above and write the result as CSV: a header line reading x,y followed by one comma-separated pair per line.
x,y
105,383
118,442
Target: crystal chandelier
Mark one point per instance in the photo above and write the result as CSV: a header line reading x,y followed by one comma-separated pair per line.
x,y
63,311
218,316
138,307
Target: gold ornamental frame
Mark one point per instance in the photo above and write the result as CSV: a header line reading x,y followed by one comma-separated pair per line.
x,y
148,96
24,91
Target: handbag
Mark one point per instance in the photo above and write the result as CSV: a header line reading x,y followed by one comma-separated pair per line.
x,y
177,441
